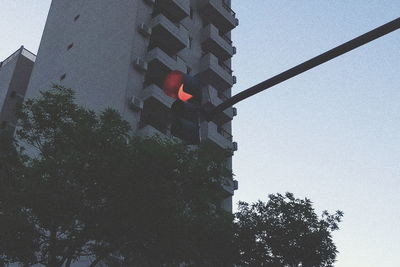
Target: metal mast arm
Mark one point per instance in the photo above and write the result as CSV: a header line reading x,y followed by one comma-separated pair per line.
x,y
309,64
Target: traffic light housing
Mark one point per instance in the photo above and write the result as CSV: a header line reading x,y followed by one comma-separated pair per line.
x,y
186,110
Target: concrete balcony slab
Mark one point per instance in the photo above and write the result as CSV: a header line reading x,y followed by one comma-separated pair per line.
x,y
218,45
219,14
211,100
167,35
160,64
176,10
149,131
153,91
211,72
209,133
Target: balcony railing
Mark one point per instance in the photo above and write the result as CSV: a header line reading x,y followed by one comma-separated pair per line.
x,y
160,64
225,67
225,133
219,14
169,36
153,91
210,133
213,42
227,7
146,130
212,73
226,39
176,10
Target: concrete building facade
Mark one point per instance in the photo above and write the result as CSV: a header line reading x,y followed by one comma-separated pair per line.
x,y
117,53
15,72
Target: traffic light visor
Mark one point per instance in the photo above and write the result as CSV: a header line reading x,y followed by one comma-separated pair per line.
x,y
182,95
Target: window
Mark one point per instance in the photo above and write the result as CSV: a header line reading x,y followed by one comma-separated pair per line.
x,y
70,46
77,17
191,13
63,76
188,70
190,41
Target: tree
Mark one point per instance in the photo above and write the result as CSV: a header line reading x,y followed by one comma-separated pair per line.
x,y
17,236
285,231
78,184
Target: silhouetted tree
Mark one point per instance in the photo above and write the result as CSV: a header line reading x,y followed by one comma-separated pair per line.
x,y
78,184
285,231
17,235
84,187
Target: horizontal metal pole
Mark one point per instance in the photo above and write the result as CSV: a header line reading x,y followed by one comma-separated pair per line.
x,y
309,64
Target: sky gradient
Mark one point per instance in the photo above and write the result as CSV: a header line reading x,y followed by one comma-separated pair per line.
x,y
331,134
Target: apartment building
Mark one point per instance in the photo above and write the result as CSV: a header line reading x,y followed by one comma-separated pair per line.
x,y
15,72
117,54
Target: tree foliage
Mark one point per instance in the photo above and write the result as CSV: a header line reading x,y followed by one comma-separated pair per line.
x,y
285,231
78,185
84,187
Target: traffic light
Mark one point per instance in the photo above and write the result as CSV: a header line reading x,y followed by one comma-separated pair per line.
x,y
186,109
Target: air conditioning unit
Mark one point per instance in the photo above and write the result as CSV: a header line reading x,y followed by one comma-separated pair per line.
x,y
234,146
234,50
234,79
235,185
144,30
150,2
234,111
140,64
136,104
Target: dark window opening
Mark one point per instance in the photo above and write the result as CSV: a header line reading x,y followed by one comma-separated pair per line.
x,y
190,42
70,46
77,17
191,13
63,76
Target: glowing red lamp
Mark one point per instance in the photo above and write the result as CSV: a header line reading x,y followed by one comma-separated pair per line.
x,y
174,86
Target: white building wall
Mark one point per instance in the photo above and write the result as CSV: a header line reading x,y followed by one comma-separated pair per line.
x,y
90,46
98,66
6,74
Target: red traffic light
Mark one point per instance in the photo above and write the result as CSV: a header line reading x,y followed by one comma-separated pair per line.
x,y
174,86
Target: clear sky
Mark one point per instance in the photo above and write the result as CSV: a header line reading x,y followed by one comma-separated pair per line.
x,y
331,134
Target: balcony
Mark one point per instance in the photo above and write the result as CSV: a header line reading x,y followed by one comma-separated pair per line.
x,y
229,185
175,10
156,107
148,131
168,36
160,64
211,100
210,133
211,72
212,42
155,93
219,14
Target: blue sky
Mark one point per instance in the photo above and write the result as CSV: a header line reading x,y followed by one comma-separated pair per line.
x,y
331,134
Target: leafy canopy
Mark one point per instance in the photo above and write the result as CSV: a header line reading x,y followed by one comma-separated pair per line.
x,y
285,231
80,185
